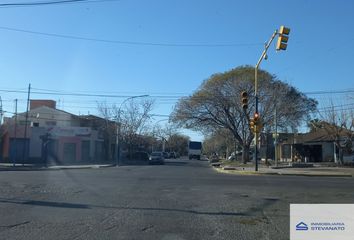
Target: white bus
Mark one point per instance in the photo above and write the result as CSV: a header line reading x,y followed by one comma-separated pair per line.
x,y
194,150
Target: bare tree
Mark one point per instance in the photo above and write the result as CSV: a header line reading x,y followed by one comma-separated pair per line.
x,y
132,119
165,133
108,129
338,123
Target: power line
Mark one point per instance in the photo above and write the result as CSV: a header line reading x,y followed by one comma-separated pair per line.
x,y
330,92
165,97
82,94
55,115
157,44
115,92
319,92
336,107
45,3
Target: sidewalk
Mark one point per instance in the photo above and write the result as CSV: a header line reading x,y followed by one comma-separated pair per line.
x,y
313,171
38,167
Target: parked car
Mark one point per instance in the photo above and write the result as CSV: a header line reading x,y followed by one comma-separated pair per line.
x,y
172,155
156,157
165,155
136,158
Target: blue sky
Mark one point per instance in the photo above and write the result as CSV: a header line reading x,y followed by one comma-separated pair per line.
x,y
319,55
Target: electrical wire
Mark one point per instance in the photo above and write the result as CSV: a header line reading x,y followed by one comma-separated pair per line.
x,y
159,99
46,3
157,44
114,92
170,97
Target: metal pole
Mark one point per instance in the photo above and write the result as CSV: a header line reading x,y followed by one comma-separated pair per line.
x,y
117,144
25,134
263,56
163,144
15,140
256,134
276,137
1,114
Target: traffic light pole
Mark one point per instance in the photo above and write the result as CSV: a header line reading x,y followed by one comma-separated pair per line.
x,y
263,56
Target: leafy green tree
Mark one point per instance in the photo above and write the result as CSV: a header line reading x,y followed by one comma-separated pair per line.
x,y
216,105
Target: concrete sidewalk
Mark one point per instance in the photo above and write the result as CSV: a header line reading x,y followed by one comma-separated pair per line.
x,y
314,171
37,167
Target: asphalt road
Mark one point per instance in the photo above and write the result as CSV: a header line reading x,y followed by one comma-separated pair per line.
x,y
179,200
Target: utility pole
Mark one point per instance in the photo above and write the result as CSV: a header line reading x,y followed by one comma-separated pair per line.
x,y
117,148
15,140
25,149
276,137
1,112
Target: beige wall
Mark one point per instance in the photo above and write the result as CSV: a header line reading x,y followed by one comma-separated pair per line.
x,y
47,117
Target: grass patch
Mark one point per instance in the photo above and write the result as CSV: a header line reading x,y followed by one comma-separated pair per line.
x,y
236,163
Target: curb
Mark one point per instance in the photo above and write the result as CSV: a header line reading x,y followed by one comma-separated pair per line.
x,y
53,168
78,167
236,172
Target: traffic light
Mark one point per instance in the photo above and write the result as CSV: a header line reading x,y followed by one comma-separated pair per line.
x,y
252,125
257,123
283,38
256,118
244,99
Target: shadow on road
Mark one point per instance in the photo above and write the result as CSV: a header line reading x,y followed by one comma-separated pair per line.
x,y
12,169
175,163
46,203
89,206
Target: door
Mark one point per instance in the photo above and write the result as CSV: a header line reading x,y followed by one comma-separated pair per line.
x,y
85,151
19,149
69,153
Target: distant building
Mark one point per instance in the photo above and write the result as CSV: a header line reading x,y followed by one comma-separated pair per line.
x,y
52,136
35,103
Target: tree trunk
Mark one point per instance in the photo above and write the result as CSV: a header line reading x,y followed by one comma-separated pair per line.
x,y
340,153
340,156
245,153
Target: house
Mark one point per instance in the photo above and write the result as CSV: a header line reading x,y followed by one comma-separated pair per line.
x,y
318,145
314,146
107,132
50,136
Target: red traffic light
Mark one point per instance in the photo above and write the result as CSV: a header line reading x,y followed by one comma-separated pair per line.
x,y
256,116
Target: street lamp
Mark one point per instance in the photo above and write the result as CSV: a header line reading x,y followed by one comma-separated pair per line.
x,y
118,127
